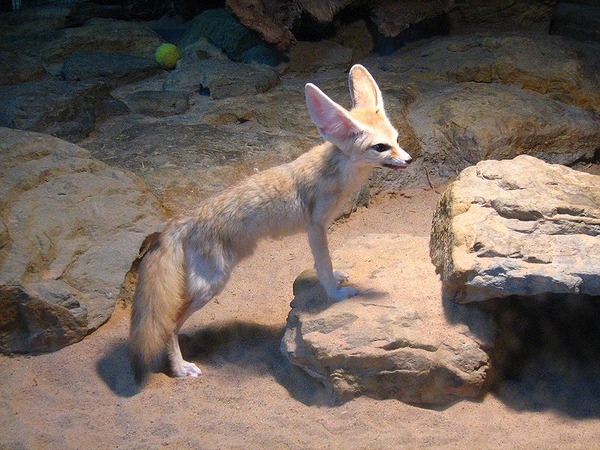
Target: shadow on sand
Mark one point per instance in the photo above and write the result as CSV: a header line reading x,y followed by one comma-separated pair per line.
x,y
114,369
252,347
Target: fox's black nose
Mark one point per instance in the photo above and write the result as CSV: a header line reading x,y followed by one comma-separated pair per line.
x,y
408,160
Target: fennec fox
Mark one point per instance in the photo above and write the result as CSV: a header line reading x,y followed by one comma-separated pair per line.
x,y
194,255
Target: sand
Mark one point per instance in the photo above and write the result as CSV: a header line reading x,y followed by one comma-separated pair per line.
x,y
249,396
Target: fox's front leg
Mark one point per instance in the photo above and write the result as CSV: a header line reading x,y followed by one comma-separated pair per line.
x,y
330,280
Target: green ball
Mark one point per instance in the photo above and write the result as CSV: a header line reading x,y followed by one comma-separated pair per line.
x,y
167,56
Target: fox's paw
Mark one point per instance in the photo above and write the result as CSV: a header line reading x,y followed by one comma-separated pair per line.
x,y
186,369
340,276
342,293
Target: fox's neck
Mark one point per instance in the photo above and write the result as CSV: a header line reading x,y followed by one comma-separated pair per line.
x,y
350,174
327,174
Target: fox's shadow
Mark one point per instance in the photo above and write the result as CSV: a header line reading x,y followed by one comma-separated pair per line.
x,y
114,369
253,347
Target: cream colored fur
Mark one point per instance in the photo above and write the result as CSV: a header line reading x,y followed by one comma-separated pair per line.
x,y
194,256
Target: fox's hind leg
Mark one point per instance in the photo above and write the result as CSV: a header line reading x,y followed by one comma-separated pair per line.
x,y
179,366
205,279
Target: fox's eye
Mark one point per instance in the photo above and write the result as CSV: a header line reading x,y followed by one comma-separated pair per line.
x,y
381,147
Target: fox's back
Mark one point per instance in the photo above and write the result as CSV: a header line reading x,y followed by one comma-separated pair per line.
x,y
275,202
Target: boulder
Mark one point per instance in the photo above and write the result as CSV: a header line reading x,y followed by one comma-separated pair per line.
x,y
310,57
222,29
17,67
490,96
101,35
518,227
391,341
33,20
471,122
71,227
204,69
394,17
42,51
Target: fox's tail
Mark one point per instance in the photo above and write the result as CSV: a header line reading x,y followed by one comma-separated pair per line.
x,y
157,299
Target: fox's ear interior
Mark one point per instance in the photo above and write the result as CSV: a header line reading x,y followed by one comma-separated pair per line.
x,y
333,122
363,89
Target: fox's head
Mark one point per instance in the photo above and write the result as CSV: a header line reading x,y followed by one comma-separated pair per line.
x,y
364,133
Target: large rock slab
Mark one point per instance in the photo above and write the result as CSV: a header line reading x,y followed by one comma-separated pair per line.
x,y
394,339
518,227
70,228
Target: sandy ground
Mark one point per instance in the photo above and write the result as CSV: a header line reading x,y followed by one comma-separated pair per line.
x,y
249,396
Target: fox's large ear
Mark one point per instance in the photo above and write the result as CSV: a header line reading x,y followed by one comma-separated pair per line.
x,y
363,89
334,123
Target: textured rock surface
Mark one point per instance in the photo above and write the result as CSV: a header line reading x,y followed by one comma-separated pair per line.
x,y
71,227
577,20
393,340
102,35
53,106
479,121
220,28
271,19
158,103
518,227
503,13
221,78
114,69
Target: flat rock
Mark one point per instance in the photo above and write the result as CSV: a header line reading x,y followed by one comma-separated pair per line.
x,y
518,227
394,339
70,228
